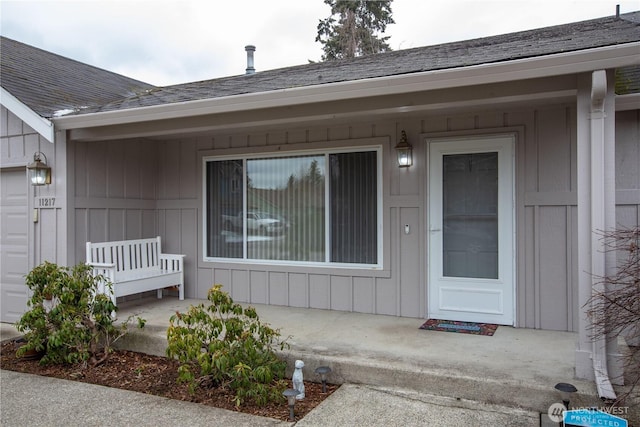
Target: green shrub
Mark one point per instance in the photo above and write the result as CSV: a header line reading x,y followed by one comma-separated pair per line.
x,y
77,324
226,345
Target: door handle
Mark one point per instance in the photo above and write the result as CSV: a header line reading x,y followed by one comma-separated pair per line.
x,y
433,230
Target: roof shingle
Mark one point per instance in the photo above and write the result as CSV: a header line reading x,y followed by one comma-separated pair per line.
x,y
525,44
48,83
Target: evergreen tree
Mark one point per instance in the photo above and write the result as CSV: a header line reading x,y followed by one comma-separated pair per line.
x,y
315,176
355,31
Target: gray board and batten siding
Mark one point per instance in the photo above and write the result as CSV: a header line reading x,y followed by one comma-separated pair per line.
x,y
151,187
18,142
154,187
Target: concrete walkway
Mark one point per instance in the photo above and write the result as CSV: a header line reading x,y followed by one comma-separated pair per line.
x,y
34,401
394,374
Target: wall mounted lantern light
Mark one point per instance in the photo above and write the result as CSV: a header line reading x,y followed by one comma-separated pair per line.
x,y
404,151
39,172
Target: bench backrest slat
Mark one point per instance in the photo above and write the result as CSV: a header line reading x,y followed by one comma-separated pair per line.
x,y
132,262
141,254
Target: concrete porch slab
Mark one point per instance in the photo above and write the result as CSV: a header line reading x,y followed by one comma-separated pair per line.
x,y
515,367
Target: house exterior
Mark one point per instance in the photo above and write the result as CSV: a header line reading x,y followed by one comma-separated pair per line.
x,y
284,185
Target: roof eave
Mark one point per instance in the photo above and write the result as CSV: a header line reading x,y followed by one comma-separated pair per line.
x,y
38,123
543,66
628,102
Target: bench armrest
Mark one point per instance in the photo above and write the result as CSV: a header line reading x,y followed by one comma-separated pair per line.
x,y
102,264
107,270
172,262
172,256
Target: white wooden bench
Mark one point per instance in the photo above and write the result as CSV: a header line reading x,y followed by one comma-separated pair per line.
x,y
135,266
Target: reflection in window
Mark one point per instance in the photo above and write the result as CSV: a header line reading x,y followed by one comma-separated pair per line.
x,y
285,208
276,208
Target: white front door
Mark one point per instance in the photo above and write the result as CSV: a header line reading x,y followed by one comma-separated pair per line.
x,y
471,229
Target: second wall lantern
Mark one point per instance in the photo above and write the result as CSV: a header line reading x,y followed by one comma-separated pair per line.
x,y
404,151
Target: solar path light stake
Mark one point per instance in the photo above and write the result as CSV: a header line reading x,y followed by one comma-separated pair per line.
x,y
291,394
323,371
566,390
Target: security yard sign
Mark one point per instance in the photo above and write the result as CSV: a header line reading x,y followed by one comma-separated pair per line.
x,y
592,418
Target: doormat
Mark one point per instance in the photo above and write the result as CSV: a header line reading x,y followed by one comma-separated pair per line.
x,y
462,327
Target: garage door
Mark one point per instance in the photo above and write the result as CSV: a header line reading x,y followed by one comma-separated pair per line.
x,y
14,244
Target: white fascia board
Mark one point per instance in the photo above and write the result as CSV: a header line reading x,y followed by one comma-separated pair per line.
x,y
41,125
628,102
529,68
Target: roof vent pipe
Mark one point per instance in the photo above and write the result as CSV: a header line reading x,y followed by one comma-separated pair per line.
x,y
617,11
250,49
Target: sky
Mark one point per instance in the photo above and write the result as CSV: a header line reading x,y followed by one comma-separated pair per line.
x,y
171,42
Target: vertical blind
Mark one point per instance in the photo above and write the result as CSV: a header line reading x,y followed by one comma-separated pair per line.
x,y
224,208
354,207
312,208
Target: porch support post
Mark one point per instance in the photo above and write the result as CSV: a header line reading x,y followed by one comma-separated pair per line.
x,y
597,360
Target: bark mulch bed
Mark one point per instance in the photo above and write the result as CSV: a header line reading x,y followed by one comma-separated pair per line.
x,y
155,375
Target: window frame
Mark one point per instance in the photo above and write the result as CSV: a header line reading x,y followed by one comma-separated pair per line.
x,y
325,152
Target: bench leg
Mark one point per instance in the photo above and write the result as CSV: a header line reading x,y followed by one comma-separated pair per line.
x,y
181,291
113,299
159,293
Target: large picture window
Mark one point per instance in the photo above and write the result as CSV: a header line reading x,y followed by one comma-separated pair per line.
x,y
312,208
